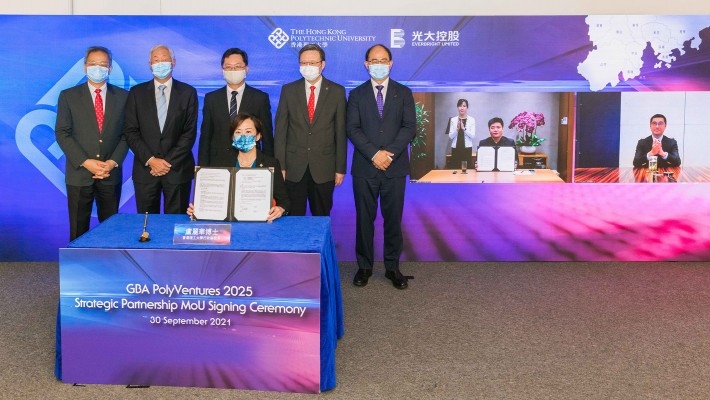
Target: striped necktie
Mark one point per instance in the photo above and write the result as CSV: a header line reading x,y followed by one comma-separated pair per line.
x,y
233,105
380,99
162,107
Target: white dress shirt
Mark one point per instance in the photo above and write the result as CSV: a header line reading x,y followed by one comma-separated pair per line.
x,y
240,94
315,92
384,89
168,89
103,88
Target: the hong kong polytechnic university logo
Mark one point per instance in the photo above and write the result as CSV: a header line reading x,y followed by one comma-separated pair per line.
x,y
278,38
398,37
299,37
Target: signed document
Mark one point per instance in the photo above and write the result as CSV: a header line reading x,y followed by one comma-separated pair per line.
x,y
506,159
252,194
212,193
486,158
496,158
230,194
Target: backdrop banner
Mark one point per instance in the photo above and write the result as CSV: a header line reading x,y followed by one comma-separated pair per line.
x,y
500,55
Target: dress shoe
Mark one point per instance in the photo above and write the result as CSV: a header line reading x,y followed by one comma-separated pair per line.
x,y
362,276
398,280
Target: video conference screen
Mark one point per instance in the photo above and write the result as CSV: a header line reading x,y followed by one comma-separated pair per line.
x,y
615,71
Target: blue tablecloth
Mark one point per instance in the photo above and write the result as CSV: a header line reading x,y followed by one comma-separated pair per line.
x,y
288,234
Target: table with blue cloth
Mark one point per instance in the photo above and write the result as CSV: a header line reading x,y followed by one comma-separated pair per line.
x,y
288,234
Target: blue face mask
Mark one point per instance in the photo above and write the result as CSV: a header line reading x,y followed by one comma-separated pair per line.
x,y
96,73
161,70
244,143
379,71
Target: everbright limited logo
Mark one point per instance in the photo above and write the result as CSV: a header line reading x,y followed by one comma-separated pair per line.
x,y
278,38
428,38
397,38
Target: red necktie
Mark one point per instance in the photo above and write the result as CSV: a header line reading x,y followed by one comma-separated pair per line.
x,y
99,108
312,104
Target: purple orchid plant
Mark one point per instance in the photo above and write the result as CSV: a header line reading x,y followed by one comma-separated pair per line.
x,y
526,124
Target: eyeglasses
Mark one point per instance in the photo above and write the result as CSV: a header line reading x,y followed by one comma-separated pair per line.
x,y
99,64
232,67
310,63
658,123
382,61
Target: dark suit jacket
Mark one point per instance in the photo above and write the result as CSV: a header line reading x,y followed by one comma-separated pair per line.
x,y
78,135
215,149
142,131
669,145
320,145
504,141
392,132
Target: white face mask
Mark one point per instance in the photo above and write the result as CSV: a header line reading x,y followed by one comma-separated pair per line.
x,y
310,72
161,70
379,71
234,77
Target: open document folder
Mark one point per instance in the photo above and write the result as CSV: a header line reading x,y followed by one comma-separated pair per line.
x,y
495,158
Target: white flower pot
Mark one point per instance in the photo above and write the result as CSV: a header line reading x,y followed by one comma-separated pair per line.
x,y
528,149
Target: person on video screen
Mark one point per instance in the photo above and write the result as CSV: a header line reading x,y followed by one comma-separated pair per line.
x,y
461,129
657,144
496,138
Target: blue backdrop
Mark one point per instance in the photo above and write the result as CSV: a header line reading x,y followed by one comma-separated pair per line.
x,y
42,55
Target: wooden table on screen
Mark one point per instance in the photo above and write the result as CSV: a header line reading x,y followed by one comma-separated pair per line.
x,y
521,176
641,175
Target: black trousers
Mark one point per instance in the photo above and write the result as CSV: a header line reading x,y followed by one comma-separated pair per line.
x,y
176,197
318,195
390,192
81,200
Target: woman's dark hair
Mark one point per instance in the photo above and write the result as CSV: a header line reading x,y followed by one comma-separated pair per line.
x,y
461,101
241,117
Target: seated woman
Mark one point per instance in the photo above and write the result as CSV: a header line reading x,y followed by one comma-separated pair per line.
x,y
247,130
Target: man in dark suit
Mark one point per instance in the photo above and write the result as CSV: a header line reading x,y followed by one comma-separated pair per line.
x,y
89,132
220,107
496,138
657,144
161,127
310,135
381,121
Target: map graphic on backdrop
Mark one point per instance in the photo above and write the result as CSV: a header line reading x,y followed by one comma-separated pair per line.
x,y
431,54
620,41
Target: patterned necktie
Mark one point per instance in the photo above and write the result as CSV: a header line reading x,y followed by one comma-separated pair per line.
x,y
162,107
312,104
233,105
380,99
99,109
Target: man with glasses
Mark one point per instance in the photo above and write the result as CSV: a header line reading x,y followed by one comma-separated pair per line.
x,y
665,149
310,140
381,121
220,107
89,132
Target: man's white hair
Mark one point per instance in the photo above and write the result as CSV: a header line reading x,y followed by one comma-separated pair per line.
x,y
162,46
